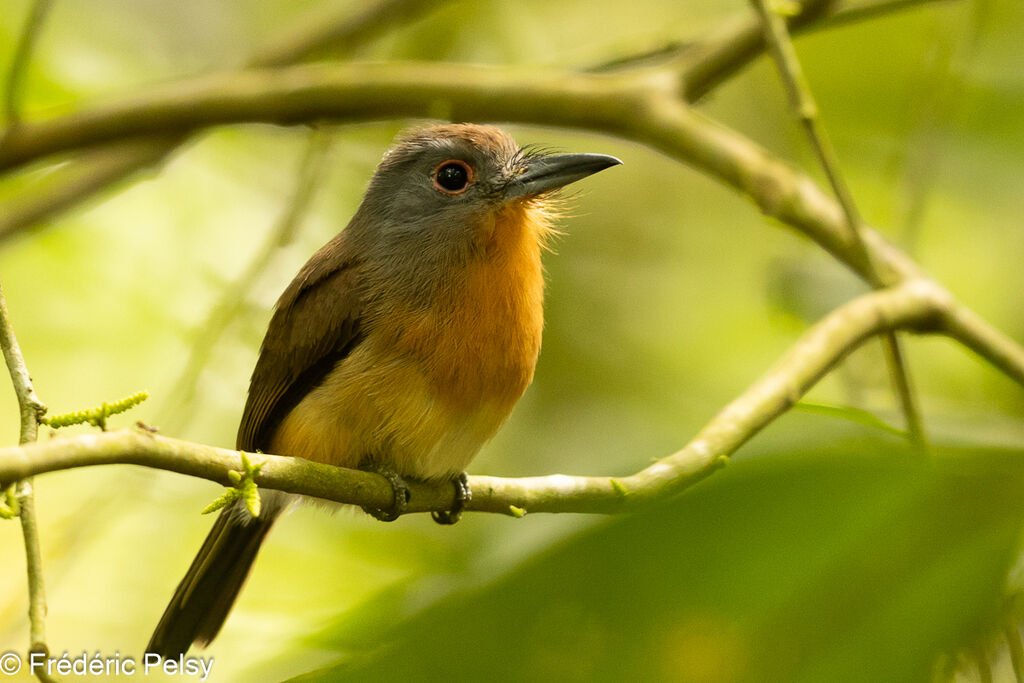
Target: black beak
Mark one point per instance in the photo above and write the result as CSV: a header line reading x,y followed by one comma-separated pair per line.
x,y
551,172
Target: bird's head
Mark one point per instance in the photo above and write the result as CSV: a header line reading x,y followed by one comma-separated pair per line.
x,y
440,186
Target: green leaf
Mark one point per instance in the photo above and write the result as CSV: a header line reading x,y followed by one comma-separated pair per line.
x,y
859,563
856,415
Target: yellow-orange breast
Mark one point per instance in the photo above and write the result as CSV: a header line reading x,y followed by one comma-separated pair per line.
x,y
484,341
424,394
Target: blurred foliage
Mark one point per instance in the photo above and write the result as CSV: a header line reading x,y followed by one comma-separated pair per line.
x,y
861,565
668,296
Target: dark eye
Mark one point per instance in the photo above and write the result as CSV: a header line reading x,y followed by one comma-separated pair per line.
x,y
453,176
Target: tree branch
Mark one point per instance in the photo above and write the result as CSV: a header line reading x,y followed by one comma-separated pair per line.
x,y
645,109
801,100
29,404
31,410
918,305
71,184
703,66
968,328
346,92
718,58
641,107
867,10
83,178
737,44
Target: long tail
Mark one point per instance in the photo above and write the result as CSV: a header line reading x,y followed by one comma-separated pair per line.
x,y
203,599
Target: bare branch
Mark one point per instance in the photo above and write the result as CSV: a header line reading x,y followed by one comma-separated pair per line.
x,y
806,109
718,58
704,66
31,410
712,61
30,405
854,12
968,328
72,184
346,92
83,178
737,44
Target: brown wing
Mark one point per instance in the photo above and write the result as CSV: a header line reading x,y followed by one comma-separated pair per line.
x,y
315,324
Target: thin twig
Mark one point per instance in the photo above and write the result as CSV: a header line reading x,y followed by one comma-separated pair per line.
x,y
736,44
309,178
803,104
76,183
34,562
21,58
31,410
709,62
29,404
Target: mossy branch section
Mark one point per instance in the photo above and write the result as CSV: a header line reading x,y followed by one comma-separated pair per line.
x,y
917,306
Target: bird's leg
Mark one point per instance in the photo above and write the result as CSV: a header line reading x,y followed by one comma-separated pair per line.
x,y
462,496
401,496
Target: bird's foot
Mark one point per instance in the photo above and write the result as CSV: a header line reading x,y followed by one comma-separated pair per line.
x,y
401,497
462,496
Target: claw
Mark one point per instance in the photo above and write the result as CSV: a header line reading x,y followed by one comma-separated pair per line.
x,y
401,497
462,496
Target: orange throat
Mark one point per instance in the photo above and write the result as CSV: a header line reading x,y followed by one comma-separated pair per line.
x,y
487,343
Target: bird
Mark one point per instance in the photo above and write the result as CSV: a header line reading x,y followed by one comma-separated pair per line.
x,y
401,346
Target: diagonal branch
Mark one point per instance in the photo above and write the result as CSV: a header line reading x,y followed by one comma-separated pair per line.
x,y
718,58
806,109
736,45
345,92
71,184
341,31
918,305
31,407
703,67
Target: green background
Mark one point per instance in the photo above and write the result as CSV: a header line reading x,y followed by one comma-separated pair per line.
x,y
824,552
